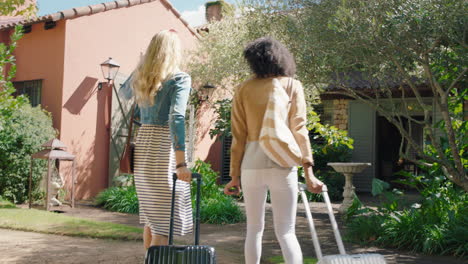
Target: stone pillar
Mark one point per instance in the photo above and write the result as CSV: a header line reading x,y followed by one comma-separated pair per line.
x,y
340,113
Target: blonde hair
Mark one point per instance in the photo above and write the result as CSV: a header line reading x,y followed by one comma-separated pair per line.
x,y
161,61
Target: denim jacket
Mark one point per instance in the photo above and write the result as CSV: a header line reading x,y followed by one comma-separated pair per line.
x,y
170,104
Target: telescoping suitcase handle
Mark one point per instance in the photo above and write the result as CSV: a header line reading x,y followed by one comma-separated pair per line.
x,y
339,241
197,215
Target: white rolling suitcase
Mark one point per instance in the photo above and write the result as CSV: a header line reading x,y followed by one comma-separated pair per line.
x,y
342,258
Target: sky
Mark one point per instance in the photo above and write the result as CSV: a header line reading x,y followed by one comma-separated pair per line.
x,y
193,11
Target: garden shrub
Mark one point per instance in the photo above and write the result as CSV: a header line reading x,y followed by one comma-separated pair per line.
x,y
4,204
435,225
23,129
119,199
329,144
215,206
222,125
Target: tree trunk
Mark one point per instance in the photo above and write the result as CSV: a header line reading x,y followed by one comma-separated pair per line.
x,y
460,180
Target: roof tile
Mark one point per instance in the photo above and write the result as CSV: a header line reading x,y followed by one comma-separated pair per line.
x,y
89,10
110,5
133,2
54,16
8,20
82,11
97,8
122,3
69,13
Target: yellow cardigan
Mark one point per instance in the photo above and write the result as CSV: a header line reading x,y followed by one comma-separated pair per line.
x,y
248,109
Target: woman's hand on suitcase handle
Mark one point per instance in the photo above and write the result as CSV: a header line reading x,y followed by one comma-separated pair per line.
x,y
232,187
313,184
184,174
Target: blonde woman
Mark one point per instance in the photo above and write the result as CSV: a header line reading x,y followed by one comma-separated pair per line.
x,y
161,91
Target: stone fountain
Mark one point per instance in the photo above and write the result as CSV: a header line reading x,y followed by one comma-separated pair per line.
x,y
348,169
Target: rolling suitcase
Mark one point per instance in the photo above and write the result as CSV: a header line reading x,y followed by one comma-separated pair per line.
x,y
193,254
342,258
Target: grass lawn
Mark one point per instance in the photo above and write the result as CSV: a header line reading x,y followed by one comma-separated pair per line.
x,y
279,260
53,223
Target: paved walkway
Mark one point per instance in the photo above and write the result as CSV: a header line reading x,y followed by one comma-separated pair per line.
x,y
25,247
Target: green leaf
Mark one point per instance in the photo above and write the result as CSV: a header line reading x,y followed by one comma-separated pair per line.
x,y
379,186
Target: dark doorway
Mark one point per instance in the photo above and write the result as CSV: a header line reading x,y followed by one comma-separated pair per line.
x,y
388,146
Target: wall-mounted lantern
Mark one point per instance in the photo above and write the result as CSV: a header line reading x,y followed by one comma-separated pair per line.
x,y
109,68
206,91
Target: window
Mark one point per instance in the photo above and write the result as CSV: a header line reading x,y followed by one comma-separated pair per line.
x,y
31,89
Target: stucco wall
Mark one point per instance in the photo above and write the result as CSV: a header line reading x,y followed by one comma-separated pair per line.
x,y
4,37
39,55
210,149
206,148
122,34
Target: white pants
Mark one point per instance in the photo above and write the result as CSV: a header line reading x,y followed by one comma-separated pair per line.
x,y
282,184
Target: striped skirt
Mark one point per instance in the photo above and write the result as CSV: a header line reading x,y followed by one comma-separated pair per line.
x,y
154,166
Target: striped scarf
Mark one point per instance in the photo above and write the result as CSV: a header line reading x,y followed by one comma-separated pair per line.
x,y
276,138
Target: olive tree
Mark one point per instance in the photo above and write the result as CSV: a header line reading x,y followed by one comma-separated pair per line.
x,y
400,47
219,59
404,49
23,8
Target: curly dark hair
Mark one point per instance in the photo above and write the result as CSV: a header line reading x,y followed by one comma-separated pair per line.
x,y
267,57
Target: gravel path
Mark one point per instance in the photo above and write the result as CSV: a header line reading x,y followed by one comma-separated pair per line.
x,y
26,247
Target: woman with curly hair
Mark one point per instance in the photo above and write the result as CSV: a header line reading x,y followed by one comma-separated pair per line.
x,y
272,64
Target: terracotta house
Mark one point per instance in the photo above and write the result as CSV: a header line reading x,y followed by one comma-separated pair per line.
x,y
58,67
